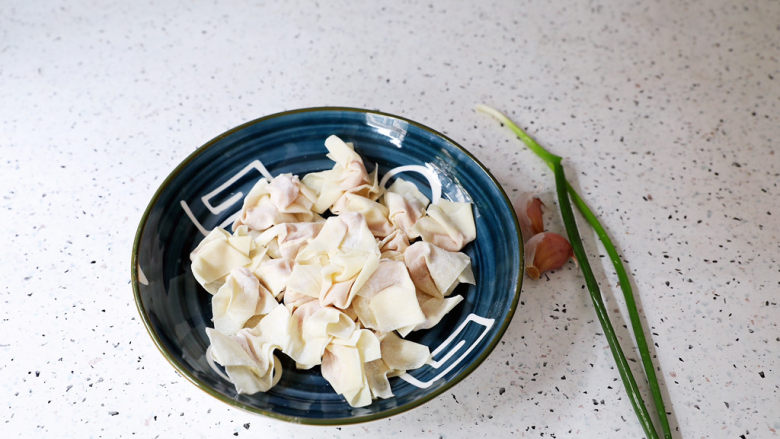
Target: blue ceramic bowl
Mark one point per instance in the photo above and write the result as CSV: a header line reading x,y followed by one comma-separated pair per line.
x,y
206,189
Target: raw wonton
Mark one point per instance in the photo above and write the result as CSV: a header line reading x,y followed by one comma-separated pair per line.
x,y
348,175
376,376
387,301
436,271
402,355
283,242
282,200
313,327
447,224
405,204
248,355
238,299
305,280
345,253
343,365
274,273
216,255
288,238
374,213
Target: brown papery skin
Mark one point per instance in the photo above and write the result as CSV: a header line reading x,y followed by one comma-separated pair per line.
x,y
529,215
546,251
534,209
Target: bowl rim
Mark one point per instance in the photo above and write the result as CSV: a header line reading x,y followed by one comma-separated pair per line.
x,y
306,420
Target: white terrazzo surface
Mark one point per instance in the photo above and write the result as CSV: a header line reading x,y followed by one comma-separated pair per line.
x,y
667,113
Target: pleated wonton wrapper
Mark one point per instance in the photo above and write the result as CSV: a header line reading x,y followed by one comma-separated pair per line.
x,y
406,205
374,213
217,255
436,271
447,224
358,367
336,264
343,365
387,301
286,239
398,356
347,175
248,356
282,241
312,328
240,298
282,200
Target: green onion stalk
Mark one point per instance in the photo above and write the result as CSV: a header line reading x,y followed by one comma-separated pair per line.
x,y
565,191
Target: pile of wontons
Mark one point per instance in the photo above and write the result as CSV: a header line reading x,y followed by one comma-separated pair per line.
x,y
340,292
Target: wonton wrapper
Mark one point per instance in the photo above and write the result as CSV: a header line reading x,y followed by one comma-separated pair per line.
x,y
387,301
267,240
403,355
406,205
436,271
283,241
273,328
217,255
447,224
343,366
304,280
238,299
396,241
282,200
374,213
345,253
248,355
434,308
312,328
376,376
274,274
347,175
286,239
326,242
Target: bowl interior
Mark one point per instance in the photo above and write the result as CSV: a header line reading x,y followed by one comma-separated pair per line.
x,y
207,189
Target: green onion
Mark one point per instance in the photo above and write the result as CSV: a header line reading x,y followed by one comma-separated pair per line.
x,y
601,309
563,186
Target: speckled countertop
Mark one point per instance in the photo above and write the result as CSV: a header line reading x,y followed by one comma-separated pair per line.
x,y
666,113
